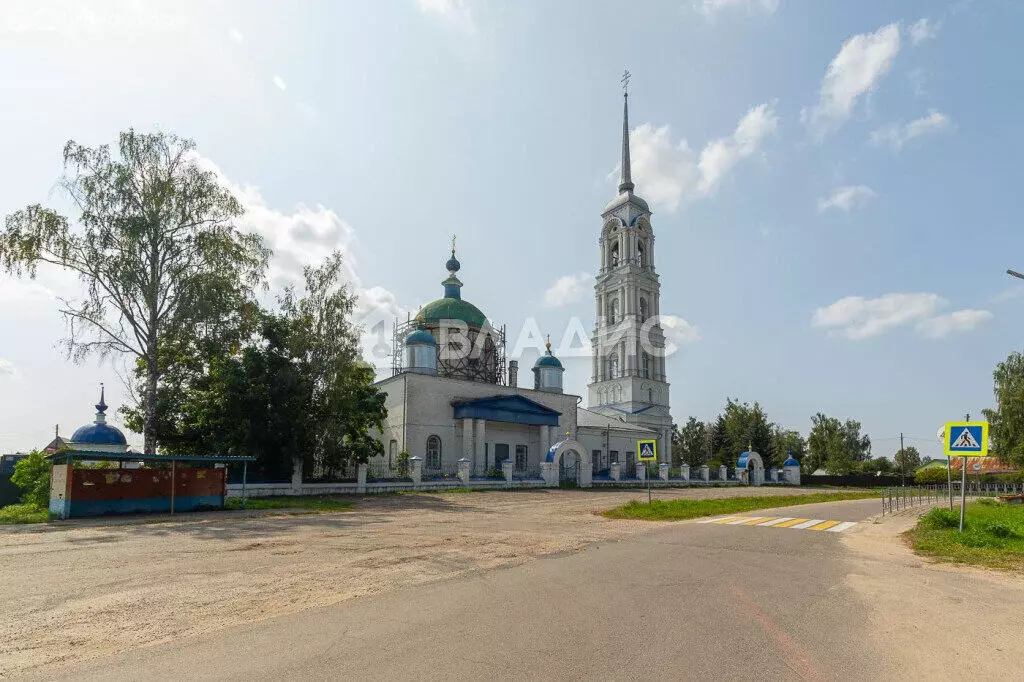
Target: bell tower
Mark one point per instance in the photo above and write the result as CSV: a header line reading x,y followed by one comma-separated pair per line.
x,y
628,377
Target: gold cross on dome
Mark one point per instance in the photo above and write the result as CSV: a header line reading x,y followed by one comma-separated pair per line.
x,y
626,75
453,243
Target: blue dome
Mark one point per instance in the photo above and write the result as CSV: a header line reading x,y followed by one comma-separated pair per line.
x,y
453,264
790,462
547,361
420,336
98,434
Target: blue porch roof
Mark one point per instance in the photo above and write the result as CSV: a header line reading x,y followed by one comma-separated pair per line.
x,y
513,409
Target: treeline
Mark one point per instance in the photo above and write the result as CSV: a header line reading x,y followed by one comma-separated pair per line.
x,y
170,278
834,445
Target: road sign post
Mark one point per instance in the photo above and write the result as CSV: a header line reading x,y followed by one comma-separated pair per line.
x,y
966,439
647,451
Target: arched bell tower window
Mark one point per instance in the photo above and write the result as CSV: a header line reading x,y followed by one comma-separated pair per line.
x,y
643,308
613,365
646,366
641,254
613,255
613,311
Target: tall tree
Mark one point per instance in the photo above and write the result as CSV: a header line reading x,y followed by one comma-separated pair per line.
x,y
744,426
784,442
1006,421
826,447
857,445
693,442
907,460
156,247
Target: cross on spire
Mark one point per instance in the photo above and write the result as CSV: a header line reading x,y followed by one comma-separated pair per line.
x,y
626,181
626,75
453,244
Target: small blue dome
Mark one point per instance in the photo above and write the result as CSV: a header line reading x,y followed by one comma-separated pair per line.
x,y
547,361
790,462
421,336
98,434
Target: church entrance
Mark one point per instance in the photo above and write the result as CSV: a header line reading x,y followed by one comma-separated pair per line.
x,y
569,469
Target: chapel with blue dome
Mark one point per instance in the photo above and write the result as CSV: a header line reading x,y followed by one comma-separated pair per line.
x,y
99,436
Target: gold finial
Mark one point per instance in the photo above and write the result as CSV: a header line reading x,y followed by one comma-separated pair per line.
x,y
547,344
453,244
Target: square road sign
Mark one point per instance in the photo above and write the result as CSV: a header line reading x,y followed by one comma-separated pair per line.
x,y
647,450
967,439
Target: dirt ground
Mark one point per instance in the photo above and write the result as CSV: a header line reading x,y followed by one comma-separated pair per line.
x,y
82,589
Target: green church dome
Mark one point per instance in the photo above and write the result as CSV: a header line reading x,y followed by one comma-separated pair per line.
x,y
453,309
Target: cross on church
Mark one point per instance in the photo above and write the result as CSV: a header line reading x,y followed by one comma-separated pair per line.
x,y
453,243
626,75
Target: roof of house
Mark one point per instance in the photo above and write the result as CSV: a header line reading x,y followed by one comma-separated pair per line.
x,y
989,465
585,418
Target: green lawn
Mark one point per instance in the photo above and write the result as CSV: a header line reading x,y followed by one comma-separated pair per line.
x,y
310,503
993,535
23,513
678,510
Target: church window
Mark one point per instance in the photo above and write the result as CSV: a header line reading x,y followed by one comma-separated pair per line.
x,y
433,452
613,456
646,366
392,452
521,458
613,311
643,308
613,366
613,255
641,255
650,395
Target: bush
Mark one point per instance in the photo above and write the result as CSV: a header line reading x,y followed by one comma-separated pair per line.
x,y
930,476
987,502
1000,530
32,475
941,518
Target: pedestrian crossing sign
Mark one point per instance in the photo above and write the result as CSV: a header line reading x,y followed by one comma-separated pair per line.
x,y
647,450
968,439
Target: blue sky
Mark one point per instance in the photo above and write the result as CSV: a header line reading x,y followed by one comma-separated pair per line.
x,y
834,183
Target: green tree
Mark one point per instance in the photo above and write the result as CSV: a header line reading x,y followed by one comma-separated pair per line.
x,y
907,460
692,443
1006,420
784,442
856,445
32,475
743,426
826,447
878,465
156,247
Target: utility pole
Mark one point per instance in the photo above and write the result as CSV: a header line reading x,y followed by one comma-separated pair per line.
x,y
903,463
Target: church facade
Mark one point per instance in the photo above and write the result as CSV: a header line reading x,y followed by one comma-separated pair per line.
x,y
454,402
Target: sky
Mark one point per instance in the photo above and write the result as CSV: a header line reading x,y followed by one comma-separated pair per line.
x,y
834,184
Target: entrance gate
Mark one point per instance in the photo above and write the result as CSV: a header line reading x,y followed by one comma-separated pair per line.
x,y
569,469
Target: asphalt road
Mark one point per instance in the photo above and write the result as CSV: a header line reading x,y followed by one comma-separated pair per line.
x,y
690,601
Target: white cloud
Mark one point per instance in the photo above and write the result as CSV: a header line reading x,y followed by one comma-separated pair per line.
x,y
959,321
677,330
846,198
305,237
568,289
7,369
236,35
895,135
922,30
455,13
667,172
856,317
711,8
855,71
279,82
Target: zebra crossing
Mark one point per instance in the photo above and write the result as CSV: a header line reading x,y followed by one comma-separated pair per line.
x,y
783,522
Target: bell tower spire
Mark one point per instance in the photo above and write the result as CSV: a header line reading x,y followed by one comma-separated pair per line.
x,y
626,182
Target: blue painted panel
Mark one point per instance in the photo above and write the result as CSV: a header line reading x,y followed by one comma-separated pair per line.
x,y
509,409
146,505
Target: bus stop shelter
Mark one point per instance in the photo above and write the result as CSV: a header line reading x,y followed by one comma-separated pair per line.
x,y
137,483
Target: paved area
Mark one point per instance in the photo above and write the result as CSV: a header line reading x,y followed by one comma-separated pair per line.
x,y
794,522
683,601
82,589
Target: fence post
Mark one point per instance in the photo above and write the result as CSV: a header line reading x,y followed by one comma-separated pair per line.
x,y
663,471
616,471
361,479
506,470
641,471
464,470
416,470
684,471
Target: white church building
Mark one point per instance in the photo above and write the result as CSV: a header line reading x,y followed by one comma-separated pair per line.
x,y
452,397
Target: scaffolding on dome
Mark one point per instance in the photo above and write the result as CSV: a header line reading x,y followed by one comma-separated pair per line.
x,y
486,363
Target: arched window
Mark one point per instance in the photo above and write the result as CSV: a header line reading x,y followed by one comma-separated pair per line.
x,y
650,396
643,308
433,452
646,366
613,311
613,365
641,254
613,255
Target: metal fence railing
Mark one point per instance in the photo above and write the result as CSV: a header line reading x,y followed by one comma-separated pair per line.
x,y
442,471
382,470
905,497
531,471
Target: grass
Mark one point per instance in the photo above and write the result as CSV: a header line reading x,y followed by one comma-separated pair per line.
x,y
679,510
23,513
311,503
993,535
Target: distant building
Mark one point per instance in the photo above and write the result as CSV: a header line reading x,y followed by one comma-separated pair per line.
x,y
57,443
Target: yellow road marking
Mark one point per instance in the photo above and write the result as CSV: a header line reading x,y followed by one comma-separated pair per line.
x,y
787,524
727,519
756,522
825,526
